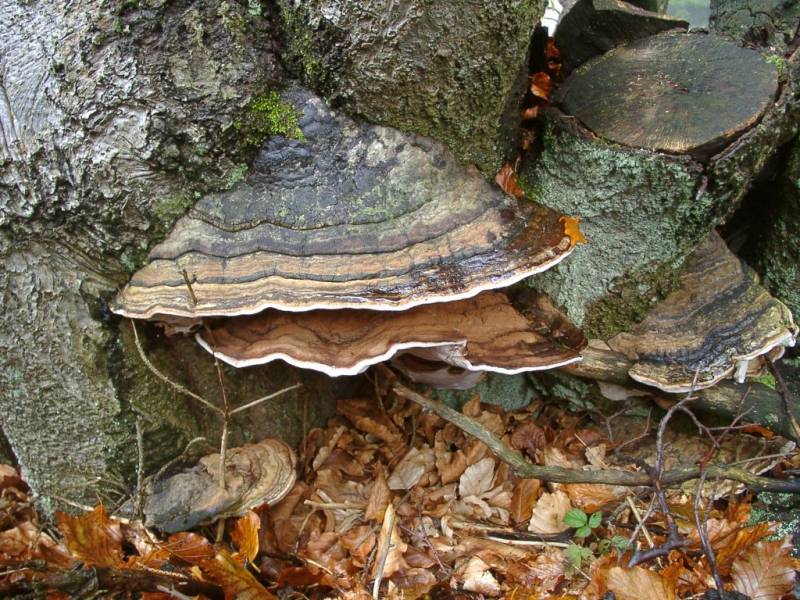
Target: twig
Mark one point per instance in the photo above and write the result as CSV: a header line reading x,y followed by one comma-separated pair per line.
x,y
555,474
265,398
383,551
189,286
641,523
703,533
138,503
167,380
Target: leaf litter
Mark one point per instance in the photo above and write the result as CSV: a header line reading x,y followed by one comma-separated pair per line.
x,y
402,504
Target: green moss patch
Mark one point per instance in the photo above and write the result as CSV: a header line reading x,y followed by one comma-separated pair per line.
x,y
268,115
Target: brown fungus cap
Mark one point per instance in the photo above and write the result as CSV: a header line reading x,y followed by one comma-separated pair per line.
x,y
255,474
483,333
352,216
717,321
683,93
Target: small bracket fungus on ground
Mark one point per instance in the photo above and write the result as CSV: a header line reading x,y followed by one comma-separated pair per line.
x,y
718,321
350,223
256,474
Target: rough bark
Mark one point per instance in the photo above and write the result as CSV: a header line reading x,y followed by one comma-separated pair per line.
x,y
643,212
454,71
770,23
777,240
114,119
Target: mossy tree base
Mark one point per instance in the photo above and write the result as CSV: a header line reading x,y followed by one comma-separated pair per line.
x,y
643,212
454,71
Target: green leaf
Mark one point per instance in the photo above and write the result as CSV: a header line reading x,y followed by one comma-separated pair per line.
x,y
603,546
595,519
575,517
582,532
575,555
619,542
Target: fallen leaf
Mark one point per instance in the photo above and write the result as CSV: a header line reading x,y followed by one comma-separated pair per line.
x,y
529,437
411,468
479,579
234,579
765,571
638,583
541,85
548,513
245,535
477,479
729,547
379,497
190,547
93,538
524,498
506,178
391,547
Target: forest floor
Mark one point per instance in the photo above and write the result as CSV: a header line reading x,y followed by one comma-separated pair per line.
x,y
394,501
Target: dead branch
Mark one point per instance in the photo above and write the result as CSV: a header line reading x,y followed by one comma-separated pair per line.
x,y
556,474
762,405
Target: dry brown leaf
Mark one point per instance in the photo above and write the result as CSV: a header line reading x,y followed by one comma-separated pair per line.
x,y
450,465
367,418
477,479
190,547
528,437
379,497
548,513
591,497
245,535
524,498
411,468
93,538
235,580
765,571
506,178
478,578
729,547
359,541
639,583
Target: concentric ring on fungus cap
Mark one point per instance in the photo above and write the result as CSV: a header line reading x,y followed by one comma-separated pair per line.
x,y
352,216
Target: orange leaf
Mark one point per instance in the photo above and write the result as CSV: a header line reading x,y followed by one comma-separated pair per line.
x,y
190,547
765,571
235,580
572,228
541,85
523,499
638,583
507,180
245,535
93,538
729,547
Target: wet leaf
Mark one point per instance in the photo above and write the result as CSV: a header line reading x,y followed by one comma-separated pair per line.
x,y
765,571
235,580
190,547
245,535
93,538
541,85
638,583
523,500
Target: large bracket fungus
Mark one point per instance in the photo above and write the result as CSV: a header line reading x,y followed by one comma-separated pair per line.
x,y
718,321
346,225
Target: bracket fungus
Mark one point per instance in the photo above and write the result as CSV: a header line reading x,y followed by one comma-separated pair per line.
x,y
483,333
344,245
718,321
353,216
255,474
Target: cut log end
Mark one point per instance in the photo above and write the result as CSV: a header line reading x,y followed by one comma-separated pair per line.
x,y
674,92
